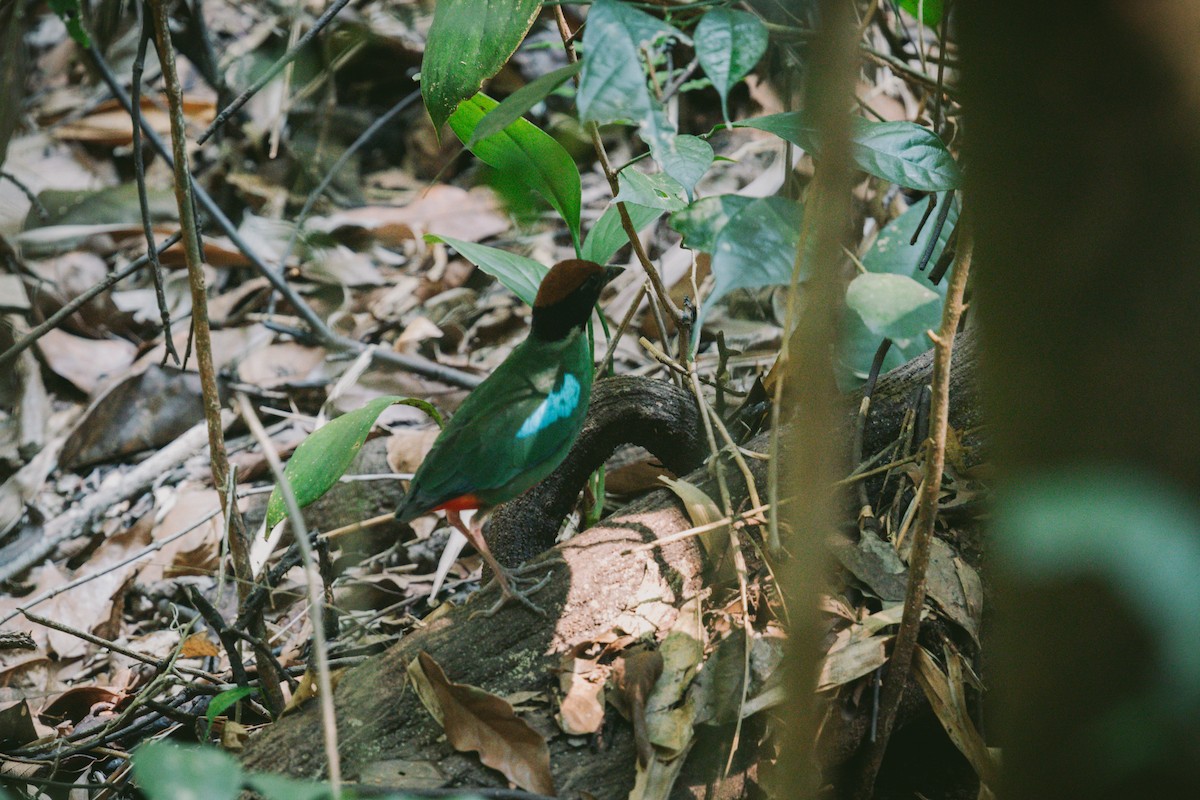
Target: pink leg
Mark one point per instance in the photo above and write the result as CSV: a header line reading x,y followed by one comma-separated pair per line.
x,y
504,577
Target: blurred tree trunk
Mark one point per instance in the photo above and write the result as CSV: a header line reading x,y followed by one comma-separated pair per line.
x,y
1084,171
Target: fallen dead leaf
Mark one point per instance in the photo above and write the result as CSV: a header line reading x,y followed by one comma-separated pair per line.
x,y
85,363
109,125
478,721
447,210
634,677
198,645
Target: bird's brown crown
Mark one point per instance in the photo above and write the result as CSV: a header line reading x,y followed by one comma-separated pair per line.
x,y
563,279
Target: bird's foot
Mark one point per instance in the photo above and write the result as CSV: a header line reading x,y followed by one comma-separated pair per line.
x,y
514,586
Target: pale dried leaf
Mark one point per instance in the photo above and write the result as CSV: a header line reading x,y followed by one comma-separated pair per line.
x,y
85,363
442,209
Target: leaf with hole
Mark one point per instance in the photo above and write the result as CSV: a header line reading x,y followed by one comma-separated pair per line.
x,y
528,154
654,191
323,457
468,43
701,221
728,45
520,275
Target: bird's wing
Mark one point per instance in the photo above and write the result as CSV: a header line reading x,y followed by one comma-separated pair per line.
x,y
506,433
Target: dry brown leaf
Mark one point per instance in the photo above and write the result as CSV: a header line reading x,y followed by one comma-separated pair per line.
x,y
858,658
945,694
109,125
193,552
582,683
16,725
406,447
198,645
278,364
478,721
446,210
634,677
86,363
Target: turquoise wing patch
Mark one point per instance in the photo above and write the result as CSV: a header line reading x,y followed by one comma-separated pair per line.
x,y
560,403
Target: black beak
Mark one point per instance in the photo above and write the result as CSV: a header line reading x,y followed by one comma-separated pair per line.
x,y
612,272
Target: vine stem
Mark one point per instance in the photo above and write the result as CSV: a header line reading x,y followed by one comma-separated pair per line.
x,y
935,460
661,294
185,200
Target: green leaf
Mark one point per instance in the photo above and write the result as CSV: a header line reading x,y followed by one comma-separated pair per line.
x,y
519,102
901,152
68,12
728,45
891,253
685,158
222,702
757,247
469,41
520,275
894,307
322,458
928,11
281,787
608,236
165,771
528,154
701,221
612,87
655,191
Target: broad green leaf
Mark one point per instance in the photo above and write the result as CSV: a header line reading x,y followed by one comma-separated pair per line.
x,y
281,787
528,154
757,247
894,307
165,771
322,458
607,236
891,253
468,42
68,12
928,11
656,191
520,275
701,221
685,158
901,152
519,102
222,702
728,45
613,86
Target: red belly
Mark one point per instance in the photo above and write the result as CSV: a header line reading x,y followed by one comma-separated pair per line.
x,y
467,502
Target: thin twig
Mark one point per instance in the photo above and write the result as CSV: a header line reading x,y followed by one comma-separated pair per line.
x,y
139,171
321,331
276,68
635,241
185,200
316,606
74,305
928,495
